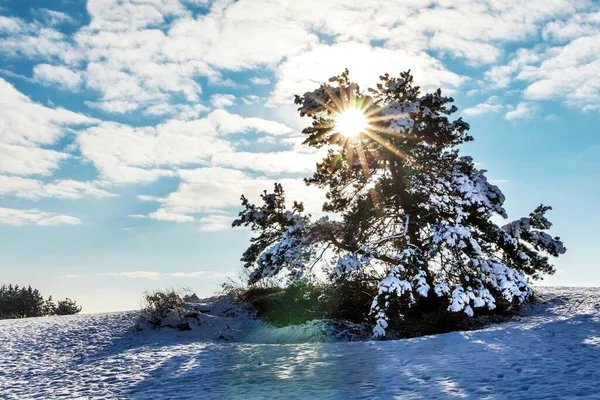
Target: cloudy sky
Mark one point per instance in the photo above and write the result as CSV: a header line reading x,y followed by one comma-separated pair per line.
x,y
129,128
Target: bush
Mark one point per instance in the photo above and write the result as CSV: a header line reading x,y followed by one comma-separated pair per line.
x,y
300,303
67,307
167,308
346,302
241,291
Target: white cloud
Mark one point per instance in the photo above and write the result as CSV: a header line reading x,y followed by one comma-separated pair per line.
x,y
222,100
584,24
269,33
23,122
157,275
501,76
142,53
275,163
52,17
565,68
25,126
61,189
130,15
306,71
181,111
14,75
27,160
36,41
62,77
259,81
142,154
137,80
163,215
148,55
570,73
133,274
114,106
207,189
524,110
160,109
489,106
227,123
11,25
213,223
16,217
251,99
198,274
474,52
144,197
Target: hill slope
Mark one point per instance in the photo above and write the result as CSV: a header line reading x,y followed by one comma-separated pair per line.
x,y
552,353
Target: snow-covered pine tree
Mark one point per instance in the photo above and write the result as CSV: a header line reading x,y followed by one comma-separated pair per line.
x,y
405,208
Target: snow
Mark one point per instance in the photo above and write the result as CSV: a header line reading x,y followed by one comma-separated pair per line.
x,y
553,352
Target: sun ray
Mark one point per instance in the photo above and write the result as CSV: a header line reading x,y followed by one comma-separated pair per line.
x,y
333,162
321,102
386,131
365,105
373,110
352,98
388,117
351,155
389,146
363,162
337,101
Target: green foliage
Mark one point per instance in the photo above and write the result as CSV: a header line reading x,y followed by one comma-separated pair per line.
x,y
67,307
23,302
299,303
345,301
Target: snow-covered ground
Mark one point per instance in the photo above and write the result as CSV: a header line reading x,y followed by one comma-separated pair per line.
x,y
552,353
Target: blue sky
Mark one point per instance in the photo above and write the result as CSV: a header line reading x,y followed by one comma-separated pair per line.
x,y
129,128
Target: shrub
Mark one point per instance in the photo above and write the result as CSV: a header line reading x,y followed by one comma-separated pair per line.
x,y
299,303
67,307
166,308
343,303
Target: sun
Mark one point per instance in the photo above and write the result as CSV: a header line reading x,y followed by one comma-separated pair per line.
x,y
351,122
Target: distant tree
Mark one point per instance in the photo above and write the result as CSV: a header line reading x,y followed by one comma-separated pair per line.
x,y
23,302
67,307
33,303
412,215
49,307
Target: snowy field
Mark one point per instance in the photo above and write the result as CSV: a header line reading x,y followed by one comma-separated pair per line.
x,y
552,353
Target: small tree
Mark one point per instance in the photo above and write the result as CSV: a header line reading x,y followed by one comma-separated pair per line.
x,y
67,307
49,307
410,211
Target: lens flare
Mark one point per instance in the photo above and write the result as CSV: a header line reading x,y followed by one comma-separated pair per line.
x,y
351,122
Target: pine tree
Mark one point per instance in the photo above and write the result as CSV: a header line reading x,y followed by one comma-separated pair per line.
x,y
67,307
49,307
410,211
23,302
